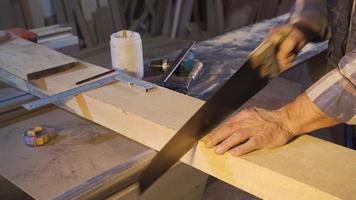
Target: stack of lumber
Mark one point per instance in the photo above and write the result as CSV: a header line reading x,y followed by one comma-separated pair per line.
x,y
58,37
193,19
94,20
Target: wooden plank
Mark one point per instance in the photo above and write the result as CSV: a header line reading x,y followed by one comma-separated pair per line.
x,y
306,168
176,16
106,22
180,183
168,19
92,30
211,21
191,183
88,7
131,11
11,14
161,7
69,7
186,15
69,11
35,61
37,12
131,159
99,28
83,26
220,16
118,14
215,16
135,24
26,16
81,150
59,11
50,20
48,31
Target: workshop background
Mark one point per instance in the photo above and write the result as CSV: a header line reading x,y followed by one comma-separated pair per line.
x,y
82,29
164,26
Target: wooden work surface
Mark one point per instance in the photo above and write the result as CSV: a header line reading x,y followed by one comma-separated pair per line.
x,y
81,151
306,168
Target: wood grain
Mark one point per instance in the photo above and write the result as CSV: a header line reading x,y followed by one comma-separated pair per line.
x,y
83,26
31,60
307,168
80,151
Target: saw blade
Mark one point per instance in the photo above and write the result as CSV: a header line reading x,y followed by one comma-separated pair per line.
x,y
241,86
229,97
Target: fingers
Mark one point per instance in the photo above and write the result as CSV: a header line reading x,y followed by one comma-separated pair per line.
x,y
287,52
218,135
290,46
224,131
286,62
252,144
273,31
230,142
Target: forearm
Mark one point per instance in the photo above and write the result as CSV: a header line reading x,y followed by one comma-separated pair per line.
x,y
303,116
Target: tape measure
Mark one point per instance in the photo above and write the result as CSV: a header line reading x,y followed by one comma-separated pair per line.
x,y
38,136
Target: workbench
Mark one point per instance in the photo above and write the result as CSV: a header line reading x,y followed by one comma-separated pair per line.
x,y
84,160
87,156
84,155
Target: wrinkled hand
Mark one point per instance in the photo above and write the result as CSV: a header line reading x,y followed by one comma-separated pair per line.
x,y
249,130
290,47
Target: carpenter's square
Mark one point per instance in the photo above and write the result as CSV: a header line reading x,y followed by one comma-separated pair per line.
x,y
119,76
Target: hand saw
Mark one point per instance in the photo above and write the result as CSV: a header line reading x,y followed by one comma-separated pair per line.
x,y
261,66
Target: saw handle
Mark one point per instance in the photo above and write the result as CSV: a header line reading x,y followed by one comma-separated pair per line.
x,y
264,57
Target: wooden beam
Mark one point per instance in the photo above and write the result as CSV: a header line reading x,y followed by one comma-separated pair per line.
x,y
37,12
306,168
157,24
104,14
88,6
185,17
27,13
118,14
168,19
80,171
59,11
82,24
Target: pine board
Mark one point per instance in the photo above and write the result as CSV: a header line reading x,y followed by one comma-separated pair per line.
x,y
307,168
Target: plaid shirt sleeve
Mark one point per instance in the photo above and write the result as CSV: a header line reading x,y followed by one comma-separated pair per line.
x,y
312,15
335,93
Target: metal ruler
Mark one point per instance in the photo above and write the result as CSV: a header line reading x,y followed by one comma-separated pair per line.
x,y
119,76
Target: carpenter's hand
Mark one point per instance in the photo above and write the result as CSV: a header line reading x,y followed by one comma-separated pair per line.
x,y
249,130
290,47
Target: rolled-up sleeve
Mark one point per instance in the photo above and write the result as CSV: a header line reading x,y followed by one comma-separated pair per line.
x,y
311,15
335,93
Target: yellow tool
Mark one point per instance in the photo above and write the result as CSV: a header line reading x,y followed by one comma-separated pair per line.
x,y
38,136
